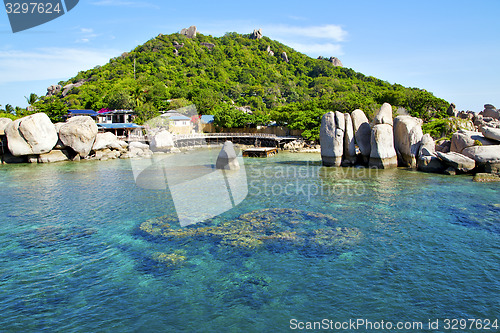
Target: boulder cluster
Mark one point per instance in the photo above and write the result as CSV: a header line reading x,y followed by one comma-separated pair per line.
x,y
35,139
349,139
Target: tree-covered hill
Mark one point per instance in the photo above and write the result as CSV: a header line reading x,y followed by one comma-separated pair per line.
x,y
218,74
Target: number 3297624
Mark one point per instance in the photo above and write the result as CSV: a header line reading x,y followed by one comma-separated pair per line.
x,y
32,8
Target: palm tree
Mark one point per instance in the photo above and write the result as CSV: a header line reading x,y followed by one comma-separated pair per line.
x,y
9,108
32,99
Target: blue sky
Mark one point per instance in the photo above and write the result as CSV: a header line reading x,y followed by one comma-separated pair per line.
x,y
451,48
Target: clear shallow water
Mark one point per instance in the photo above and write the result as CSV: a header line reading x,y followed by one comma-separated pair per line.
x,y
73,258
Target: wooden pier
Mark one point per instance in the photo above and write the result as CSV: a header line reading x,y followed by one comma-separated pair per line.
x,y
260,152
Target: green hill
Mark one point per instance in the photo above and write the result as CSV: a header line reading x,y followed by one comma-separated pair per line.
x,y
218,74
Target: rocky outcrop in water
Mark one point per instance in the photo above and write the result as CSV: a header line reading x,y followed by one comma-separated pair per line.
x,y
331,137
458,162
407,138
31,135
349,157
427,160
227,159
79,133
382,154
362,133
161,141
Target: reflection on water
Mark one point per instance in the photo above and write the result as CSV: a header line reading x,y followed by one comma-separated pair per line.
x,y
85,249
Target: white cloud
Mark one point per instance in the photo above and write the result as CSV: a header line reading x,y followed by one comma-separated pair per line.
x,y
329,31
49,63
316,49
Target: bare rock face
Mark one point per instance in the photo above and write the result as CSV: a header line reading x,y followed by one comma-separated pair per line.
x,y
227,159
464,139
407,137
256,34
487,157
54,90
284,57
79,134
362,133
457,161
452,111
383,154
349,142
66,89
427,158
31,135
189,32
336,62
488,132
269,51
3,123
331,137
209,46
384,115
490,111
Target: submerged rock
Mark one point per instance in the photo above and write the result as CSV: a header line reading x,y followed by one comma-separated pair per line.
x,y
227,159
274,229
331,137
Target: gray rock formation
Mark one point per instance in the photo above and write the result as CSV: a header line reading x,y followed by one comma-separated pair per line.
x,y
452,111
331,137
407,137
189,32
463,139
490,111
457,161
79,134
3,123
227,159
383,154
349,142
269,51
336,61
256,34
487,157
384,115
284,57
108,141
488,132
54,156
161,141
427,158
31,135
67,88
54,90
208,45
362,133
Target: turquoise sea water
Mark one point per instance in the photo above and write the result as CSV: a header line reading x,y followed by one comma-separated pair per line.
x,y
73,257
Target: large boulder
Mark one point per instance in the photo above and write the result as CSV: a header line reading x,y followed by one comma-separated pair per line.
x,y
407,137
189,32
108,141
3,123
227,159
457,161
362,133
491,133
79,134
349,142
331,137
257,34
383,154
464,139
54,156
490,111
384,115
427,158
31,135
452,111
162,141
487,157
